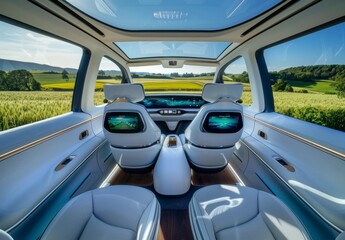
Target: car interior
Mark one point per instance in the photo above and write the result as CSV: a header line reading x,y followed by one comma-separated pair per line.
x,y
186,119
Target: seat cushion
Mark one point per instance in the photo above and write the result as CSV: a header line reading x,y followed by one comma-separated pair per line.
x,y
115,212
234,212
4,235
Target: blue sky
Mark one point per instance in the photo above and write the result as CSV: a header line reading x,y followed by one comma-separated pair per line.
x,y
323,47
27,46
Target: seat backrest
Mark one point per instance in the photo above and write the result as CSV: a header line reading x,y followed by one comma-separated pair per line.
x,y
218,124
126,123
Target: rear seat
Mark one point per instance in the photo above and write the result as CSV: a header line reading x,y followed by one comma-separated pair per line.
x,y
115,212
234,212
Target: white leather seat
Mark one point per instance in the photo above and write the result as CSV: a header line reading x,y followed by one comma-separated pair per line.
x,y
134,137
4,235
115,212
234,212
211,136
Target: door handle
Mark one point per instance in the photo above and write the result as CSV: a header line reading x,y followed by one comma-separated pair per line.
x,y
83,134
64,163
285,164
262,134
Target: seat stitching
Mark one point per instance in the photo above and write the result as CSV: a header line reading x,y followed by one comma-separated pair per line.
x,y
200,222
81,232
157,212
94,214
111,224
144,211
258,212
239,224
265,221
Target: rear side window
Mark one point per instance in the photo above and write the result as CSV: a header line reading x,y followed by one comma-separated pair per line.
x,y
108,73
236,72
37,76
307,75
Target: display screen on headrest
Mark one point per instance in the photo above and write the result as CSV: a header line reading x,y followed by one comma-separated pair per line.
x,y
223,122
123,122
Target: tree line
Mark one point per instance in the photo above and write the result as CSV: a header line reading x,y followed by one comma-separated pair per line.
x,y
18,80
280,79
309,73
102,75
171,75
335,72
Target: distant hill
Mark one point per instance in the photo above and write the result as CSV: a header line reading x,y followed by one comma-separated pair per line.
x,y
9,65
112,72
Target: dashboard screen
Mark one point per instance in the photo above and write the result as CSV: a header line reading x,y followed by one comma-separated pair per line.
x,y
123,122
173,101
223,122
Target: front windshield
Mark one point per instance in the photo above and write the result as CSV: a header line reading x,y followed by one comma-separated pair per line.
x,y
188,79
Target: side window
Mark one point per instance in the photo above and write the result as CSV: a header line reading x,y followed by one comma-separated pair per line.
x,y
307,75
236,72
108,72
37,76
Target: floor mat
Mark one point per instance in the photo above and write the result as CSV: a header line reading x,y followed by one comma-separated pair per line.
x,y
179,202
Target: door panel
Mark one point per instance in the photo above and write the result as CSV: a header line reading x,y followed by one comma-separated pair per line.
x,y
308,159
318,169
32,174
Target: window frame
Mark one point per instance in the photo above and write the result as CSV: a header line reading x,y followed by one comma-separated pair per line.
x,y
269,102
82,69
221,72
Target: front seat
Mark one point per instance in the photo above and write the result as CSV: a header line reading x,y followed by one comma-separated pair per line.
x,y
211,136
134,138
115,212
235,212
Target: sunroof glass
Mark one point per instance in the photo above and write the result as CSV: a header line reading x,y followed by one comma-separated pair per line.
x,y
210,50
168,15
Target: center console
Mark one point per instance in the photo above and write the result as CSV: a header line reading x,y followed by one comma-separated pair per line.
x,y
172,174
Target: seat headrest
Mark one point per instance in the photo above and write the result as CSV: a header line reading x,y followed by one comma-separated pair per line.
x,y
132,92
214,91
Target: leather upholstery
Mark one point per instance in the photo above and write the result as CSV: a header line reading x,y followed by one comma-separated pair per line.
x,y
234,212
115,212
133,92
212,150
127,147
213,91
4,235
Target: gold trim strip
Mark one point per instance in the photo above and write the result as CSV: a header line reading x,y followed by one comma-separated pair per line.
x,y
290,187
41,140
54,189
301,139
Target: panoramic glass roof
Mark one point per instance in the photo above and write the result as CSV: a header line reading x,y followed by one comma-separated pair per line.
x,y
210,50
179,15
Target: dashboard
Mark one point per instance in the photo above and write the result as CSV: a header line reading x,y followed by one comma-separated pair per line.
x,y
172,112
173,101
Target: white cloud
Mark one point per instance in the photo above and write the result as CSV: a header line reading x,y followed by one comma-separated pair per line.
x,y
23,45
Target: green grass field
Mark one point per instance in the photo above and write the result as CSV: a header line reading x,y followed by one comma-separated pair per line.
x,y
323,86
19,108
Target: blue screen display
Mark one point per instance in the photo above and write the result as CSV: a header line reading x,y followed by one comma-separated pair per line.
x,y
223,122
123,122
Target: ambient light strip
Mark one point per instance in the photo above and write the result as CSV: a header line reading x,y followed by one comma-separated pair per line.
x,y
46,138
106,181
301,139
232,170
